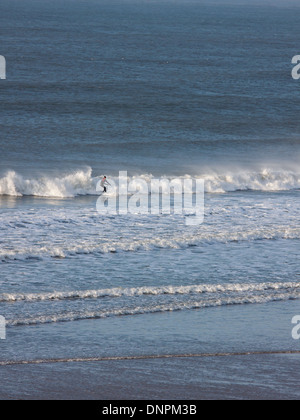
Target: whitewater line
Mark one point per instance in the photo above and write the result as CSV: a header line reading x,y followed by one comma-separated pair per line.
x,y
149,290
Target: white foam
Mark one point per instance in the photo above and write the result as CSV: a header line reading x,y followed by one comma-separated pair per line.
x,y
219,300
68,186
264,180
81,182
177,241
154,291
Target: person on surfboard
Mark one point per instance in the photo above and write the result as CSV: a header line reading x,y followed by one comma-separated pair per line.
x,y
103,184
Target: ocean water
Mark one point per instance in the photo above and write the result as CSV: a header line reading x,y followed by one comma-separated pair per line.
x,y
170,89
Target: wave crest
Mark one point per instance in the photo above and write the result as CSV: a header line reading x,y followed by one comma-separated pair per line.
x,y
81,182
154,291
68,186
192,298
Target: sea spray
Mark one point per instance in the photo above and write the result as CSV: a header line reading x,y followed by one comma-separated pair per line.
x,y
81,182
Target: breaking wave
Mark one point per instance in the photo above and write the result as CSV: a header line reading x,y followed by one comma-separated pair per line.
x,y
154,291
68,186
81,182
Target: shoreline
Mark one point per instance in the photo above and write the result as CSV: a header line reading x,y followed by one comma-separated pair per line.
x,y
94,360
147,357
251,378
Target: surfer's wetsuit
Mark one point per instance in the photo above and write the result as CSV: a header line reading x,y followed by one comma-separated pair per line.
x,y
103,184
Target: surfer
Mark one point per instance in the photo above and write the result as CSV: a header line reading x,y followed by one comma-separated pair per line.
x,y
103,184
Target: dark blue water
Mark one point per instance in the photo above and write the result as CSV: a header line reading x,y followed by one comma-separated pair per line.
x,y
149,86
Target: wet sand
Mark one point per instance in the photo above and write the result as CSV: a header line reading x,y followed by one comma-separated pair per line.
x,y
240,377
